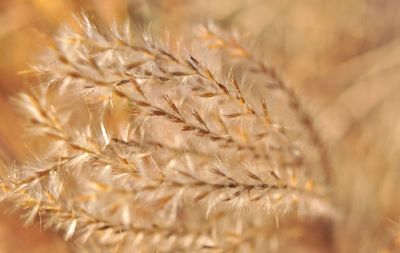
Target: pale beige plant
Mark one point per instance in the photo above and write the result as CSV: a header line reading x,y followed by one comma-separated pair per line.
x,y
154,147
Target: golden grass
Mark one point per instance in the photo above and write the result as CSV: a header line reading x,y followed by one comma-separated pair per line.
x,y
340,58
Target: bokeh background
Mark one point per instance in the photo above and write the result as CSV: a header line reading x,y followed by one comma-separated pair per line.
x,y
342,57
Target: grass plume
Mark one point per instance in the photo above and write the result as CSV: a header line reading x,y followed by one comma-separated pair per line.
x,y
156,147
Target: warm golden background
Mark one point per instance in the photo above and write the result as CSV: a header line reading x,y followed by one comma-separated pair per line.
x,y
341,56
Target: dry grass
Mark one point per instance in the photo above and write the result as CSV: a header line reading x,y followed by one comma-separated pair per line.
x,y
282,137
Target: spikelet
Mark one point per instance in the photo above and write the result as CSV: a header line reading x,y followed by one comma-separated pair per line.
x,y
216,38
153,147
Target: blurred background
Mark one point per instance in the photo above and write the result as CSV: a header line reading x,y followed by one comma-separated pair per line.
x,y
342,57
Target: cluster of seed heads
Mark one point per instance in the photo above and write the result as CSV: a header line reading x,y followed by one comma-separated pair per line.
x,y
155,148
